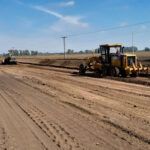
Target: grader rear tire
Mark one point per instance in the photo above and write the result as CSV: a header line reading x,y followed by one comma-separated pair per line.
x,y
82,69
104,72
114,72
124,74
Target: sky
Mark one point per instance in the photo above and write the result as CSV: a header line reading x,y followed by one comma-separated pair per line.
x,y
40,24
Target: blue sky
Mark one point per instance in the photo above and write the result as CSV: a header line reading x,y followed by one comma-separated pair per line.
x,y
39,24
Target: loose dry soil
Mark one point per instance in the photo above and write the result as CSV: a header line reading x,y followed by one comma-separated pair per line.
x,y
50,109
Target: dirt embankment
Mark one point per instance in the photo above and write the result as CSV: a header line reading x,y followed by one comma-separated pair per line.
x,y
145,61
68,63
72,61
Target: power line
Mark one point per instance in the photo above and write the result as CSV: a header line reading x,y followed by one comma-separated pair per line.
x,y
111,28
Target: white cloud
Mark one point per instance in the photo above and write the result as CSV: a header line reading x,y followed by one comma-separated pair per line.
x,y
74,20
67,4
62,28
123,24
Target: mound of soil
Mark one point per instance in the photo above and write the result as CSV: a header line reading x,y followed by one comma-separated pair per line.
x,y
68,63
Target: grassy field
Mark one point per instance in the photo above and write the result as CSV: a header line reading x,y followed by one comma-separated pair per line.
x,y
58,56
144,55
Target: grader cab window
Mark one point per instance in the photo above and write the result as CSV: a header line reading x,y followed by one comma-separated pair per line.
x,y
131,60
115,50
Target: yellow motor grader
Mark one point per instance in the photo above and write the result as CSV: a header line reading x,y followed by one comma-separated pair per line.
x,y
9,60
113,62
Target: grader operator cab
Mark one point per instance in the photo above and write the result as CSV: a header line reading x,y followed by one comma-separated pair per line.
x,y
113,62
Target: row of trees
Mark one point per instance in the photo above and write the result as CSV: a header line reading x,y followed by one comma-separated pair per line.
x,y
130,49
147,49
69,51
22,52
126,49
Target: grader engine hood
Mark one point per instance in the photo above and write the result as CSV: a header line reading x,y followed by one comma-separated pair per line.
x,y
133,66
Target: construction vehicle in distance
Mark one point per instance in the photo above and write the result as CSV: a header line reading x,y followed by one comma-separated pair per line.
x,y
113,62
9,60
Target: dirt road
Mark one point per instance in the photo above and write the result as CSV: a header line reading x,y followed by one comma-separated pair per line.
x,y
52,109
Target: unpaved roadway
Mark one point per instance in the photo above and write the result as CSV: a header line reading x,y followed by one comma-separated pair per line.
x,y
47,109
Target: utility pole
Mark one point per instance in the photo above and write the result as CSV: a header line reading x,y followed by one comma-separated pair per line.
x,y
132,42
64,41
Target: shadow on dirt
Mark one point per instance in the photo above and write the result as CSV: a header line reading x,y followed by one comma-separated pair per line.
x,y
137,80
88,74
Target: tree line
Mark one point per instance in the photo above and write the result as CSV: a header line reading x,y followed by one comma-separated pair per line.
x,y
69,51
97,50
22,52
126,49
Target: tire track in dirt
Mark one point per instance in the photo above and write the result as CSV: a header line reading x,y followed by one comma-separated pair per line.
x,y
6,142
118,127
54,131
112,124
76,125
82,109
130,133
129,104
3,138
96,89
9,100
15,146
99,87
104,93
109,124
